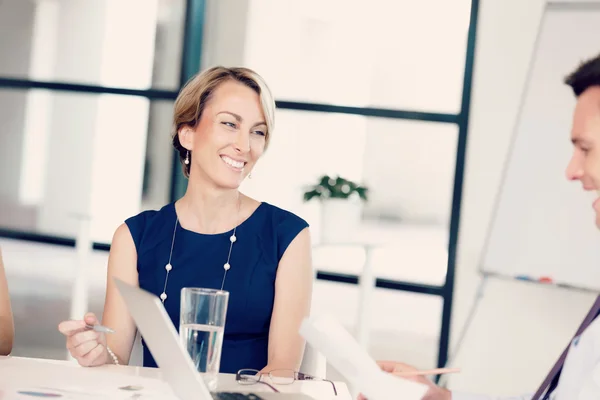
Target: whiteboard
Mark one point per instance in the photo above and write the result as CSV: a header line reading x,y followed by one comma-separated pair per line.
x,y
544,225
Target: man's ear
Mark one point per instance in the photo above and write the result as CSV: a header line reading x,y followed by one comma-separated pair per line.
x,y
186,137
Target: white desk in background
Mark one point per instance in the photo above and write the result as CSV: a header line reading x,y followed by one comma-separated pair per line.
x,y
398,251
32,374
366,282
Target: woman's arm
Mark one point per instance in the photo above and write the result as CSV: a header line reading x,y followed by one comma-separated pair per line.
x,y
7,330
122,264
88,346
293,294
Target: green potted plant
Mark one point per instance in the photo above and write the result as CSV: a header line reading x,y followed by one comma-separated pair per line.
x,y
341,206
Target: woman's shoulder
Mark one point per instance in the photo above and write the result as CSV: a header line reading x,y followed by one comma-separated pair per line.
x,y
283,218
280,228
148,222
150,216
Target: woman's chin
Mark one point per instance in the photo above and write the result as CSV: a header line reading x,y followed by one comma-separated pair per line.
x,y
229,183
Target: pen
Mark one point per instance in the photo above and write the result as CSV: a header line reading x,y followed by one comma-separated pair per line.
x,y
100,328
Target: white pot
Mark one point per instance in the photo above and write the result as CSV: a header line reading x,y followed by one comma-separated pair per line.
x,y
340,219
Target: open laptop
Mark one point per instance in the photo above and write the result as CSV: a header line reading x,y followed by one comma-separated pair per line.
x,y
174,361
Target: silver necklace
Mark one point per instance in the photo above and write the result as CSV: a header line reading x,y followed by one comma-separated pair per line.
x,y
226,266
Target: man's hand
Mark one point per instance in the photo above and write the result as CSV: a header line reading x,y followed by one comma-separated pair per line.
x,y
399,369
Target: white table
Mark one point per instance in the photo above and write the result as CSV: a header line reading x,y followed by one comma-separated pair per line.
x,y
366,284
19,374
421,248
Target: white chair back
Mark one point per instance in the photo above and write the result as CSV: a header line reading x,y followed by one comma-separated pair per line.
x,y
314,363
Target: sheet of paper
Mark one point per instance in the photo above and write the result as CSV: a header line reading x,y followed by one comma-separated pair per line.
x,y
68,392
46,380
343,352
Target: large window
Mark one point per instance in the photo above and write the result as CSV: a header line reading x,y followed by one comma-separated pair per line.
x,y
407,165
70,149
396,56
371,91
76,155
403,54
134,44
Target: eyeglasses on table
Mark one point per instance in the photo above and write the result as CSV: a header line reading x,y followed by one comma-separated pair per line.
x,y
277,377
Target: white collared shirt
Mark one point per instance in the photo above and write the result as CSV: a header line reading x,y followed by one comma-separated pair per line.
x,y
580,377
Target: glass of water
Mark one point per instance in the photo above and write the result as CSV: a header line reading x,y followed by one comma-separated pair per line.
x,y
201,328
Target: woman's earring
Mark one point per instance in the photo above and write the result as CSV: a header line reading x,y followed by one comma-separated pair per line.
x,y
187,158
250,175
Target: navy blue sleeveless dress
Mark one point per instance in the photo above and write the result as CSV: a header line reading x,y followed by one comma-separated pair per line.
x,y
198,262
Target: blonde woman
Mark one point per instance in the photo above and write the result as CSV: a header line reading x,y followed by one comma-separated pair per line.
x,y
7,330
214,235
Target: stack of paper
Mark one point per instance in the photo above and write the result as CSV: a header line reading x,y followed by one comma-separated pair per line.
x,y
343,352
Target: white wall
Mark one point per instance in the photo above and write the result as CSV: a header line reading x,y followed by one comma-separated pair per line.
x,y
97,142
506,34
16,27
501,51
501,62
39,104
225,26
120,135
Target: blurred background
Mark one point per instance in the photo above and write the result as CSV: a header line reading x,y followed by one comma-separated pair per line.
x,y
377,93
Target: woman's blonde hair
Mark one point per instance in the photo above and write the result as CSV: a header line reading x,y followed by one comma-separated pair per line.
x,y
196,93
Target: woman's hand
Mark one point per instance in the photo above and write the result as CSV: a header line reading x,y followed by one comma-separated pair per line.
x,y
87,346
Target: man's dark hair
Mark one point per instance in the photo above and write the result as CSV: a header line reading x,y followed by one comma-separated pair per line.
x,y
585,76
